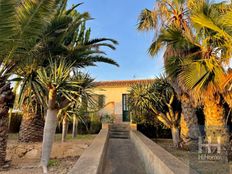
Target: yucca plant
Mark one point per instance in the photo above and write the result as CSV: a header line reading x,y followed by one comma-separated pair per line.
x,y
72,111
160,99
56,80
62,89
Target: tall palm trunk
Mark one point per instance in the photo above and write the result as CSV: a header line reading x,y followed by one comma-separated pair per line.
x,y
31,128
6,101
3,136
215,123
189,123
75,126
49,128
190,131
64,128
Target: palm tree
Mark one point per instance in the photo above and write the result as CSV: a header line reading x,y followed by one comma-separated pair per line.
x,y
21,24
165,14
201,70
66,36
28,100
31,128
6,102
214,20
160,99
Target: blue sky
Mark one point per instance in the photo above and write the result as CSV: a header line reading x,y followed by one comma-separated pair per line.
x,y
117,19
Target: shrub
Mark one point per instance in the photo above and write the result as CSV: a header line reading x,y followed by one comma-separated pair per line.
x,y
95,127
107,118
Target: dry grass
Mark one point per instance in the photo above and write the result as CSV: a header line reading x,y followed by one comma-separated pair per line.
x,y
191,158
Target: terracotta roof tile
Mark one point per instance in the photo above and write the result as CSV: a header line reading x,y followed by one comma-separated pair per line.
x,y
122,82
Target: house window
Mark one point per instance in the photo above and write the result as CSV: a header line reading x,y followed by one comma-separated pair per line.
x,y
101,101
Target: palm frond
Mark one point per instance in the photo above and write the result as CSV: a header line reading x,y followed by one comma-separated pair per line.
x,y
98,40
155,47
73,8
34,16
173,67
147,20
203,21
98,58
8,20
201,74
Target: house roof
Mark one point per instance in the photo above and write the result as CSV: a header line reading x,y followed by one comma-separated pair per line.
x,y
122,83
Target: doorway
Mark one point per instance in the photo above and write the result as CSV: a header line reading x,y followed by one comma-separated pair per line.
x,y
125,108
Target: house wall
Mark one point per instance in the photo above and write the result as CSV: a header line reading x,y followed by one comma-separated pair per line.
x,y
113,100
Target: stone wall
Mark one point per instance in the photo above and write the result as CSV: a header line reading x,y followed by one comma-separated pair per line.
x,y
156,159
92,160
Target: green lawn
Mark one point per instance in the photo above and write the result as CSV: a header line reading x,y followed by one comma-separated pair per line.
x,y
80,137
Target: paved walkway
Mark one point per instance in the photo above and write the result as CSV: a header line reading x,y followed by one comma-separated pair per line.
x,y
121,158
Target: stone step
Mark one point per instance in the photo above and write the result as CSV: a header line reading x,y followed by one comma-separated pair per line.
x,y
122,136
119,130
119,134
119,127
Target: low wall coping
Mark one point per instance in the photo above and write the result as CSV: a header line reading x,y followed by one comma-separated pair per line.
x,y
156,159
90,162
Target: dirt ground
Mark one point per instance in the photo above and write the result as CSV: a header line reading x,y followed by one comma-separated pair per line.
x,y
25,157
191,159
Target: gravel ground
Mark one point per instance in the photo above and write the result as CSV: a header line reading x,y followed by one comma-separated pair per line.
x,y
58,166
24,157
